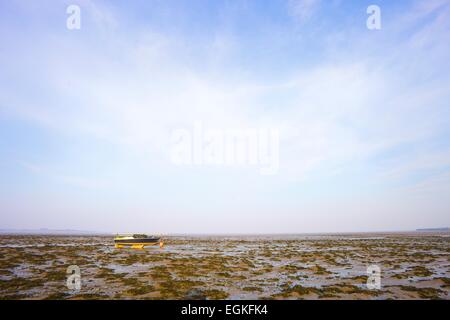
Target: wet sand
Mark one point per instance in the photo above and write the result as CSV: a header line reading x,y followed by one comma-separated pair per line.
x,y
413,266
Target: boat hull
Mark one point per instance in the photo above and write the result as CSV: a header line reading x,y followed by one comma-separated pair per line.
x,y
131,241
137,243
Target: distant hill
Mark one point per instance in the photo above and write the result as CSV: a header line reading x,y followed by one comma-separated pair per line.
x,y
434,230
47,231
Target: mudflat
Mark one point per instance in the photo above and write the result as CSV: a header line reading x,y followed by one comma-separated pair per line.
x,y
412,266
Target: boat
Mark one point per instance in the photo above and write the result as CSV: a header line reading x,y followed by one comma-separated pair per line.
x,y
136,241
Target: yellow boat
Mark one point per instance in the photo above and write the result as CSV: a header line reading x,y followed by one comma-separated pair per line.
x,y
136,241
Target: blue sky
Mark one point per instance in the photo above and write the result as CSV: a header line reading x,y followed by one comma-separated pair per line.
x,y
363,115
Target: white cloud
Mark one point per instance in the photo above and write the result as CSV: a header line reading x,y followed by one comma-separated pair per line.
x,y
303,10
330,113
49,175
130,90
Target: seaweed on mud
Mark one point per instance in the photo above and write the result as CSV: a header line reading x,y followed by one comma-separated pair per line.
x,y
421,271
140,290
319,270
424,293
300,290
177,289
446,282
215,294
215,268
89,296
253,289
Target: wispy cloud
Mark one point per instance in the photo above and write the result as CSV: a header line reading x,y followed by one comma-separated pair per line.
x,y
49,175
373,109
303,10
